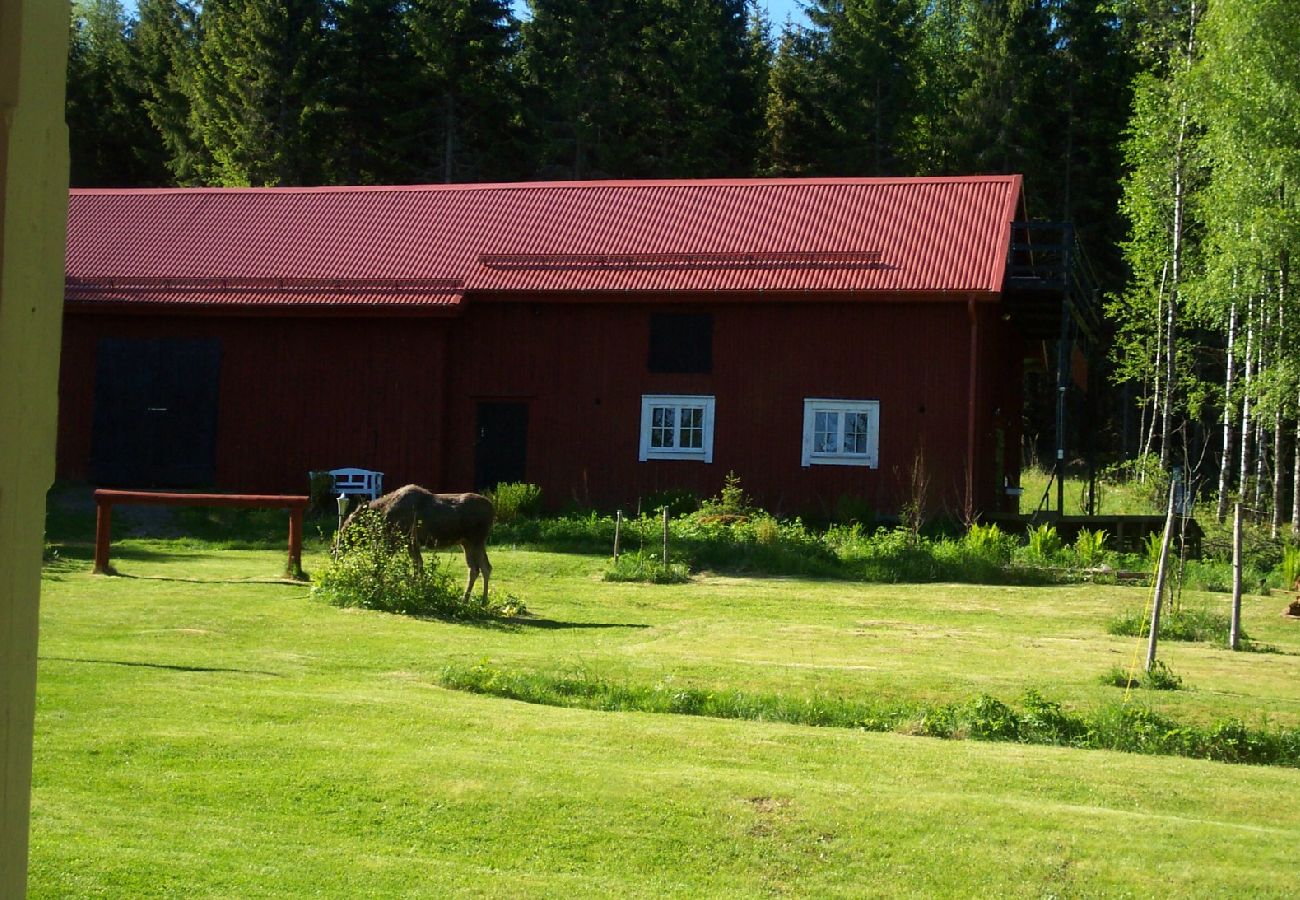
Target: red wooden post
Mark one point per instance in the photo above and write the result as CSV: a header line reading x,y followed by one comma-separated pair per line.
x,y
103,526
295,541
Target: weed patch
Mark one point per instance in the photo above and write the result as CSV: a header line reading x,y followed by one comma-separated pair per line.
x,y
1159,678
647,567
1127,727
1183,624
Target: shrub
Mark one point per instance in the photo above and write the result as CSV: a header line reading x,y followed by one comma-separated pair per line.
x,y
1090,547
372,569
1290,566
1045,722
988,543
1183,624
731,501
1159,678
1044,543
647,567
516,500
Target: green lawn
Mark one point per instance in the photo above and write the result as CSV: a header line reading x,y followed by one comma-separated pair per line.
x,y
203,731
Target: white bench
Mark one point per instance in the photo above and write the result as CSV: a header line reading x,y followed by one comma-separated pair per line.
x,y
357,483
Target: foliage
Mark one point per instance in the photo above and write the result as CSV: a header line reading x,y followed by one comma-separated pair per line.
x,y
1128,727
1090,547
989,542
1182,624
1044,543
731,501
1290,567
647,567
845,91
1158,678
652,89
111,141
372,569
516,500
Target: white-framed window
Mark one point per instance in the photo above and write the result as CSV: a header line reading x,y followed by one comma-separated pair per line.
x,y
841,433
676,426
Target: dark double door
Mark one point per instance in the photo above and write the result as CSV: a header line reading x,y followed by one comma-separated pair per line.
x,y
156,412
500,443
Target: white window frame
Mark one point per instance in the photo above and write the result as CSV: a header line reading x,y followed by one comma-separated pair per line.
x,y
814,405
677,402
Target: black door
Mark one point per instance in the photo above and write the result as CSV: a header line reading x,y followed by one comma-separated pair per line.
x,y
500,444
156,412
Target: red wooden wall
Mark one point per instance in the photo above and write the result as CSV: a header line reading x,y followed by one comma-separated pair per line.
x,y
399,394
296,394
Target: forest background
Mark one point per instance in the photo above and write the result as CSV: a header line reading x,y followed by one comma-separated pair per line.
x,y
1167,131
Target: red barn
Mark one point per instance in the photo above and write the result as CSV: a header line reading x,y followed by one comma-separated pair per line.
x,y
604,340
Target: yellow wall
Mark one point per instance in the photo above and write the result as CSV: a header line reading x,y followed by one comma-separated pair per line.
x,y
33,217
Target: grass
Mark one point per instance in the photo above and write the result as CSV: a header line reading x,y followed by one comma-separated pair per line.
x,y
234,737
1113,497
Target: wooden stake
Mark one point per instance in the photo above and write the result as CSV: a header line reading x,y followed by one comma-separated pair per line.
x,y
618,526
665,537
1234,632
1161,571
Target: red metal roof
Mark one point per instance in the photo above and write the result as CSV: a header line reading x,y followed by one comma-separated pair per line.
x,y
429,245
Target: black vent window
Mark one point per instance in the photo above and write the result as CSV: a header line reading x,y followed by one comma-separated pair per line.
x,y
681,342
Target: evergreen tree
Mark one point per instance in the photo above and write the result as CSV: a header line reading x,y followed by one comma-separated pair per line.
x,y
466,124
256,94
112,143
642,88
371,98
164,41
845,90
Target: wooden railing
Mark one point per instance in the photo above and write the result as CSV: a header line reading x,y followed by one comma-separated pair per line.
x,y
106,499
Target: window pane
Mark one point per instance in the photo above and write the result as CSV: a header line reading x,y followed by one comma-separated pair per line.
x,y
692,428
662,427
825,427
855,433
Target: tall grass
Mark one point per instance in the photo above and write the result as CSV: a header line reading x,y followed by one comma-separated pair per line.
x,y
1127,727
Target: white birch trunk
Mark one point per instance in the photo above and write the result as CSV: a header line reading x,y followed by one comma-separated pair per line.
x,y
1279,470
1295,476
1225,463
1248,384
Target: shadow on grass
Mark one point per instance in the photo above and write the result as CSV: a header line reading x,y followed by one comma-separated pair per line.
x,y
265,579
515,624
553,625
164,666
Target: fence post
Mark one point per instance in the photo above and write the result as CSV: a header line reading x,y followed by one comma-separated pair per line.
x,y
295,542
618,527
665,537
1234,632
103,532
1161,573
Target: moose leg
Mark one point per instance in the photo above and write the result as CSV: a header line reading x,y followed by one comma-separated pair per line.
x,y
471,562
416,559
486,567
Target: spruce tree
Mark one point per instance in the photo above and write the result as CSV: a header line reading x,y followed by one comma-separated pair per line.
x,y
256,95
466,117
845,90
643,88
112,143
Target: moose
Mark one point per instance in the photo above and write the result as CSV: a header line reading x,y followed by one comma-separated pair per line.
x,y
440,520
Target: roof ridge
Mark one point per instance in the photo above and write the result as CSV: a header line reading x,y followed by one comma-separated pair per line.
x,y
594,184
